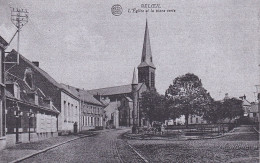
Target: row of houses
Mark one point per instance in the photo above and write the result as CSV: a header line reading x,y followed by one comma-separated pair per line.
x,y
35,106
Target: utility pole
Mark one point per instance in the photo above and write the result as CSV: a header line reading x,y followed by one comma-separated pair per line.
x,y
19,18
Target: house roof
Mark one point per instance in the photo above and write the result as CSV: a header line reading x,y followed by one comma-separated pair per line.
x,y
83,95
3,43
123,89
254,108
112,106
41,71
25,91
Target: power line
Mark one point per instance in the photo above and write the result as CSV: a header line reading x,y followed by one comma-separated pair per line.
x,y
19,18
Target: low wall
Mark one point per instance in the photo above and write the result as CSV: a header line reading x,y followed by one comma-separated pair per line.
x,y
24,137
2,142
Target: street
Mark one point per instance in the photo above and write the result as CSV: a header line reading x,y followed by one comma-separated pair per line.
x,y
103,147
241,145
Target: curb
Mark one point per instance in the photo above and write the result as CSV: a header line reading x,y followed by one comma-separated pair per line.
x,y
46,149
256,130
137,138
142,157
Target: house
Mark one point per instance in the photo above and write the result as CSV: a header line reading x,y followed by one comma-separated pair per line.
x,y
112,114
3,46
30,115
129,95
63,99
91,110
246,105
253,112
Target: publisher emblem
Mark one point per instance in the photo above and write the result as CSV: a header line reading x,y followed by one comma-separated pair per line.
x,y
116,10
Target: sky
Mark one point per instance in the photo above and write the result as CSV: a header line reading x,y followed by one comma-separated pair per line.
x,y
81,43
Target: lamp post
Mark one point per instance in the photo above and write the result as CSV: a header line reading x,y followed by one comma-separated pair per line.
x,y
30,114
17,113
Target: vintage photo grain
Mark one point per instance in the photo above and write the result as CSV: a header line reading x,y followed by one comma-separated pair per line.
x,y
129,81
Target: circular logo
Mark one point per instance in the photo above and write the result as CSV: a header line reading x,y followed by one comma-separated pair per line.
x,y
116,10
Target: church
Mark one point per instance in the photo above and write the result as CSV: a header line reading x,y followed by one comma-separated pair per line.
x,y
123,101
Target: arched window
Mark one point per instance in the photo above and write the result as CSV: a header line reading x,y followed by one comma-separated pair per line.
x,y
28,77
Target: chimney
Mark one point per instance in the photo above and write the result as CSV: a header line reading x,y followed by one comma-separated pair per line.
x,y
36,63
244,96
226,96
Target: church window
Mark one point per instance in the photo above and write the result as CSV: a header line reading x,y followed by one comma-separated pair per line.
x,y
151,59
152,79
28,78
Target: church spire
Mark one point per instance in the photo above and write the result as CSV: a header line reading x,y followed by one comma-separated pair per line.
x,y
134,80
147,59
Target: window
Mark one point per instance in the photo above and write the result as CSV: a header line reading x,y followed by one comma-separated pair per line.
x,y
254,114
28,77
152,79
190,119
16,91
197,120
36,99
72,113
68,112
65,111
76,112
83,120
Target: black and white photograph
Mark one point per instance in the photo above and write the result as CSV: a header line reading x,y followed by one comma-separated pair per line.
x,y
133,81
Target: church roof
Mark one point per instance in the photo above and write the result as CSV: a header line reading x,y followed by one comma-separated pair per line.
x,y
123,89
146,59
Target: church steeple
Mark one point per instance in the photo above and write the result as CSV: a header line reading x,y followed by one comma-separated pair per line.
x,y
147,59
134,80
146,69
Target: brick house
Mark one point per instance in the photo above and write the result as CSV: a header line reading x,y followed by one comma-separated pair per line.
x,y
63,99
30,115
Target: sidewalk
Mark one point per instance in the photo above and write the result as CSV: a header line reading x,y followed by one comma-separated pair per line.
x,y
21,151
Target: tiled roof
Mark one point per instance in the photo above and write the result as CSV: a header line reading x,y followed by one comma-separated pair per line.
x,y
24,97
123,89
82,94
45,74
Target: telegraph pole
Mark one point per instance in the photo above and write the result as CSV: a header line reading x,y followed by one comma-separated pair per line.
x,y
19,18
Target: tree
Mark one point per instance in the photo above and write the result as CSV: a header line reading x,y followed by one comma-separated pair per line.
x,y
152,104
186,96
215,112
232,108
219,110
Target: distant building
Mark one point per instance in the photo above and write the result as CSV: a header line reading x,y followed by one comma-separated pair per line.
x,y
63,99
129,95
253,112
112,114
91,110
3,46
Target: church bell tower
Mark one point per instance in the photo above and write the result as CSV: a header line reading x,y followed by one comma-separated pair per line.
x,y
146,69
